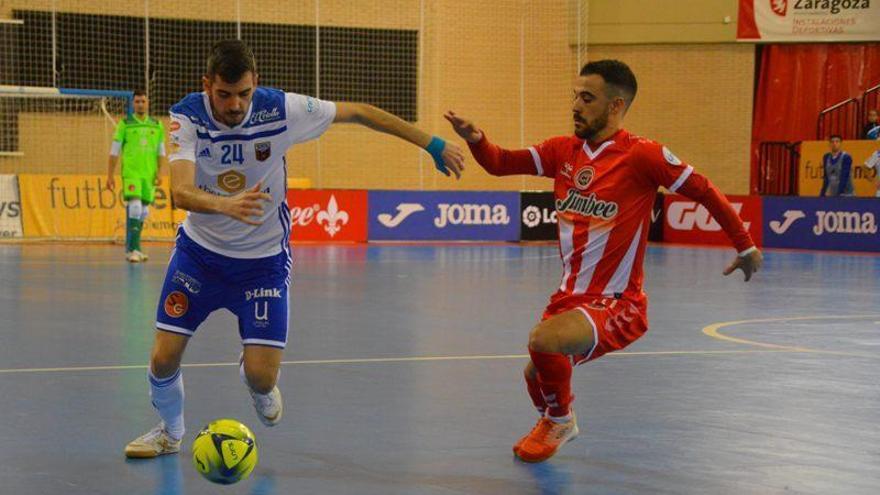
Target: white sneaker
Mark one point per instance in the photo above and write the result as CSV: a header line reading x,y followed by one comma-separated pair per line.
x,y
153,443
269,407
143,255
133,257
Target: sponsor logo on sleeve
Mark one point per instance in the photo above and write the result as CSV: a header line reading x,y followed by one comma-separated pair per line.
x,y
670,157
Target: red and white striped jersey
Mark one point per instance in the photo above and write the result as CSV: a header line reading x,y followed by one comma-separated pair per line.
x,y
604,198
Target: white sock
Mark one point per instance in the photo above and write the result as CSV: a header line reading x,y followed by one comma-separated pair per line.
x,y
167,395
560,419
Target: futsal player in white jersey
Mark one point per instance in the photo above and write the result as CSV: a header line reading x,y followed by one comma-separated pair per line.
x,y
228,170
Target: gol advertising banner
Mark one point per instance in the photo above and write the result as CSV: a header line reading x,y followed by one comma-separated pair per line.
x,y
689,222
810,173
808,20
328,215
83,207
10,208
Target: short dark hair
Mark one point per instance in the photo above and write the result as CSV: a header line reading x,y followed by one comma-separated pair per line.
x,y
618,77
230,59
139,92
835,136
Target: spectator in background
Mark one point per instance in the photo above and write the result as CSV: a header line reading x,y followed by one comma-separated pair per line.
x,y
837,167
873,162
872,127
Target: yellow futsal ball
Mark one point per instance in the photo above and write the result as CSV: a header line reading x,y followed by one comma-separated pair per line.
x,y
225,451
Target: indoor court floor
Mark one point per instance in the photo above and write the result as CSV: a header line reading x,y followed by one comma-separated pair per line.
x,y
403,376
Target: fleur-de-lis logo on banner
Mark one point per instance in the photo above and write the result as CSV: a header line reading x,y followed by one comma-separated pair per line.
x,y
332,219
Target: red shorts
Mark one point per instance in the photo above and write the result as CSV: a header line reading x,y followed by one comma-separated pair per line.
x,y
617,323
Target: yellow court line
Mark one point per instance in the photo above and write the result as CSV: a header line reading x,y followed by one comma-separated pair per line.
x,y
379,360
713,331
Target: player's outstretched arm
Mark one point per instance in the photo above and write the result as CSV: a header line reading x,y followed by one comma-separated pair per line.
x,y
494,159
246,206
749,258
447,156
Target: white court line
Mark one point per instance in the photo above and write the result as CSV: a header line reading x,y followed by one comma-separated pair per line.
x,y
383,360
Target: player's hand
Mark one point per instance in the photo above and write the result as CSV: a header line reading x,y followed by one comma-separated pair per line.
x,y
157,181
749,264
463,127
111,183
247,206
453,158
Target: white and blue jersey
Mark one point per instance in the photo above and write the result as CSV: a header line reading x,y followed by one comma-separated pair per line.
x,y
230,160
220,262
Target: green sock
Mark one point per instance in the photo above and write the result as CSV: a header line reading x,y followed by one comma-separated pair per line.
x,y
131,230
136,235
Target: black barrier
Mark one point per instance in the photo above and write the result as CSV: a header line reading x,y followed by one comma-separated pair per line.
x,y
537,216
655,233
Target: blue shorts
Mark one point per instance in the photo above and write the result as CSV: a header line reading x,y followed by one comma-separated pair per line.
x,y
199,282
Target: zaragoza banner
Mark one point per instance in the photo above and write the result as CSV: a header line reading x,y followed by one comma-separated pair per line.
x,y
808,20
811,169
83,207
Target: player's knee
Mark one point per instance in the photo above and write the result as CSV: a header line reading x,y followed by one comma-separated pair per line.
x,y
543,338
530,371
135,209
163,364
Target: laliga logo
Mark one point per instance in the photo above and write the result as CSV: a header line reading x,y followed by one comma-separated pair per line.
x,y
533,216
333,219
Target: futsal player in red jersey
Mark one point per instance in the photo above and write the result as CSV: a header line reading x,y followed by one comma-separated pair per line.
x,y
605,182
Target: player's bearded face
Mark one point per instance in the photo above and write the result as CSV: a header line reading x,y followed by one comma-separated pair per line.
x,y
591,108
230,101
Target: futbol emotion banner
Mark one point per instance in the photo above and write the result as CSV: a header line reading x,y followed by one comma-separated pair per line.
x,y
10,208
688,222
444,215
328,215
811,167
848,224
808,20
83,207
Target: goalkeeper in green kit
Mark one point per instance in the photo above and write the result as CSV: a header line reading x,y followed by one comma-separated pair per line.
x,y
140,139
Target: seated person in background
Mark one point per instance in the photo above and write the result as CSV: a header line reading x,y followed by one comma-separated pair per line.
x,y
872,127
837,170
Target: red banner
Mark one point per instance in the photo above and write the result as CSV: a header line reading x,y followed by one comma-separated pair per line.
x,y
808,20
328,215
688,222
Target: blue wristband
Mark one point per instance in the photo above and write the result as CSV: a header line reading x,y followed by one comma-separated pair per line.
x,y
435,149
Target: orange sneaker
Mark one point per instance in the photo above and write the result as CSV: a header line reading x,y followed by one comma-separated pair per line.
x,y
545,439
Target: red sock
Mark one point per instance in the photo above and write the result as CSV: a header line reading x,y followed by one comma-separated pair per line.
x,y
554,377
535,393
